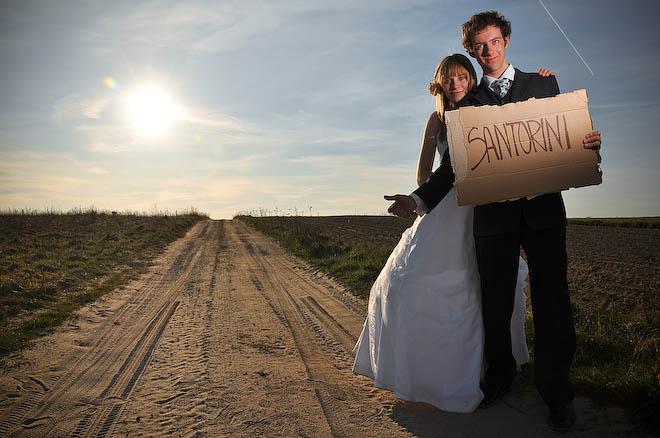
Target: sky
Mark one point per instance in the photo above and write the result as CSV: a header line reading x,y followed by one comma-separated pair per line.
x,y
290,107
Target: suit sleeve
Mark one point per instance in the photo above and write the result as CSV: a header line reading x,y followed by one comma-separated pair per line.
x,y
439,184
555,86
551,86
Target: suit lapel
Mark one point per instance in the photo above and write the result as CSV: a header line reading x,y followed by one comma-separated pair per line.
x,y
519,87
484,95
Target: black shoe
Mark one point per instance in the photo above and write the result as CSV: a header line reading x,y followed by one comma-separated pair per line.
x,y
562,416
492,393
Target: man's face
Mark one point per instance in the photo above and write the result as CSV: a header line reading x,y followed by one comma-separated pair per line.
x,y
489,47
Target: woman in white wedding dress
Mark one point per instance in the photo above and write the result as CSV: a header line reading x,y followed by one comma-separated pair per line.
x,y
423,335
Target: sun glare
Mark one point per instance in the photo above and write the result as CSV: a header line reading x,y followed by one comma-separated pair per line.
x,y
152,111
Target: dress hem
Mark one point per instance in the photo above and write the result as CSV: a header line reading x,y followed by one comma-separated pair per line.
x,y
446,406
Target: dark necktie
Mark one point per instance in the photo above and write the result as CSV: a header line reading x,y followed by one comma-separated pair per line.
x,y
501,86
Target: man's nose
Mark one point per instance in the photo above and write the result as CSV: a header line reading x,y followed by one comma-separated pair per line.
x,y
485,50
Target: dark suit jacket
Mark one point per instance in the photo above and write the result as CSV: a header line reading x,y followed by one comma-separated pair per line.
x,y
544,211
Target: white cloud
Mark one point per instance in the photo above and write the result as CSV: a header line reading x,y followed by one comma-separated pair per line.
x,y
97,170
338,184
211,120
76,107
213,26
198,26
104,129
106,139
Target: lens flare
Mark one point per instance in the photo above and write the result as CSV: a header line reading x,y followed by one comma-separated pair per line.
x,y
110,82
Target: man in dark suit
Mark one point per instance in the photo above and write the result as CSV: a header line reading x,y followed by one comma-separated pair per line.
x,y
538,224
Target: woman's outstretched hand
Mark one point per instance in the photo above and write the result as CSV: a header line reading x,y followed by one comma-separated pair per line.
x,y
403,206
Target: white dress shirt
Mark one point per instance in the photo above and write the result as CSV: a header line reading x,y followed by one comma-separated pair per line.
x,y
509,73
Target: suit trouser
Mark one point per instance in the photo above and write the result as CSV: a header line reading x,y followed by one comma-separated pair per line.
x,y
554,344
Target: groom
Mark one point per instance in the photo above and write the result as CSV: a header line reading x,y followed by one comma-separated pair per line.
x,y
537,223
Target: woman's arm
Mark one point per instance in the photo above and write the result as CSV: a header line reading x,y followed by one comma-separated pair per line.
x,y
427,153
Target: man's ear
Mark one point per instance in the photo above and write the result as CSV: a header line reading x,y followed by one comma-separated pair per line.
x,y
506,42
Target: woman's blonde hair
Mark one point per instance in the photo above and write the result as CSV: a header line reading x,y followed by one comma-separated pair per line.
x,y
446,67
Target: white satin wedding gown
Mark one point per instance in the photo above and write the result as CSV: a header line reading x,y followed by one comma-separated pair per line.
x,y
423,335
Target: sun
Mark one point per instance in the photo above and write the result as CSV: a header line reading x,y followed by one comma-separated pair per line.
x,y
151,111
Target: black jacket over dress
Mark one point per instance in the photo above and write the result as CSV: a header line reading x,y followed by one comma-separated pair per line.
x,y
500,229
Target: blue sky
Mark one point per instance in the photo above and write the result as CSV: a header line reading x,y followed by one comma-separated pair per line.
x,y
292,104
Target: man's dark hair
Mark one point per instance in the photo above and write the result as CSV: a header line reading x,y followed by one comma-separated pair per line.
x,y
479,22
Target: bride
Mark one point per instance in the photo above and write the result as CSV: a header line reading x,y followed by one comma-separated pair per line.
x,y
423,336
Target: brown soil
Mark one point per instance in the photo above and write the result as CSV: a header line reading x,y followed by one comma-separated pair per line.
x,y
615,269
228,335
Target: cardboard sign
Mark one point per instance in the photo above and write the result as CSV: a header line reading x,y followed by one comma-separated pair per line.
x,y
521,149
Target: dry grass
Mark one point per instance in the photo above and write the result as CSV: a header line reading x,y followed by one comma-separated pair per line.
x,y
52,263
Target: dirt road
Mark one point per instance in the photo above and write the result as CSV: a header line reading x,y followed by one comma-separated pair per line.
x,y
229,335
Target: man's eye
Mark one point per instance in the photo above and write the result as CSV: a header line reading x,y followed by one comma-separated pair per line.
x,y
479,46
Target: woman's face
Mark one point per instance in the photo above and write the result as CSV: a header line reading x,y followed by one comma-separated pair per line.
x,y
455,84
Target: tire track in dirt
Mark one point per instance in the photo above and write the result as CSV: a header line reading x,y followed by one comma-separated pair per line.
x,y
114,354
332,294
339,332
234,394
174,396
100,422
294,315
97,350
324,344
320,288
307,355
260,336
335,337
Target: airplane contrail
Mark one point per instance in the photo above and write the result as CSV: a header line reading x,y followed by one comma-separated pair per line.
x,y
567,39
